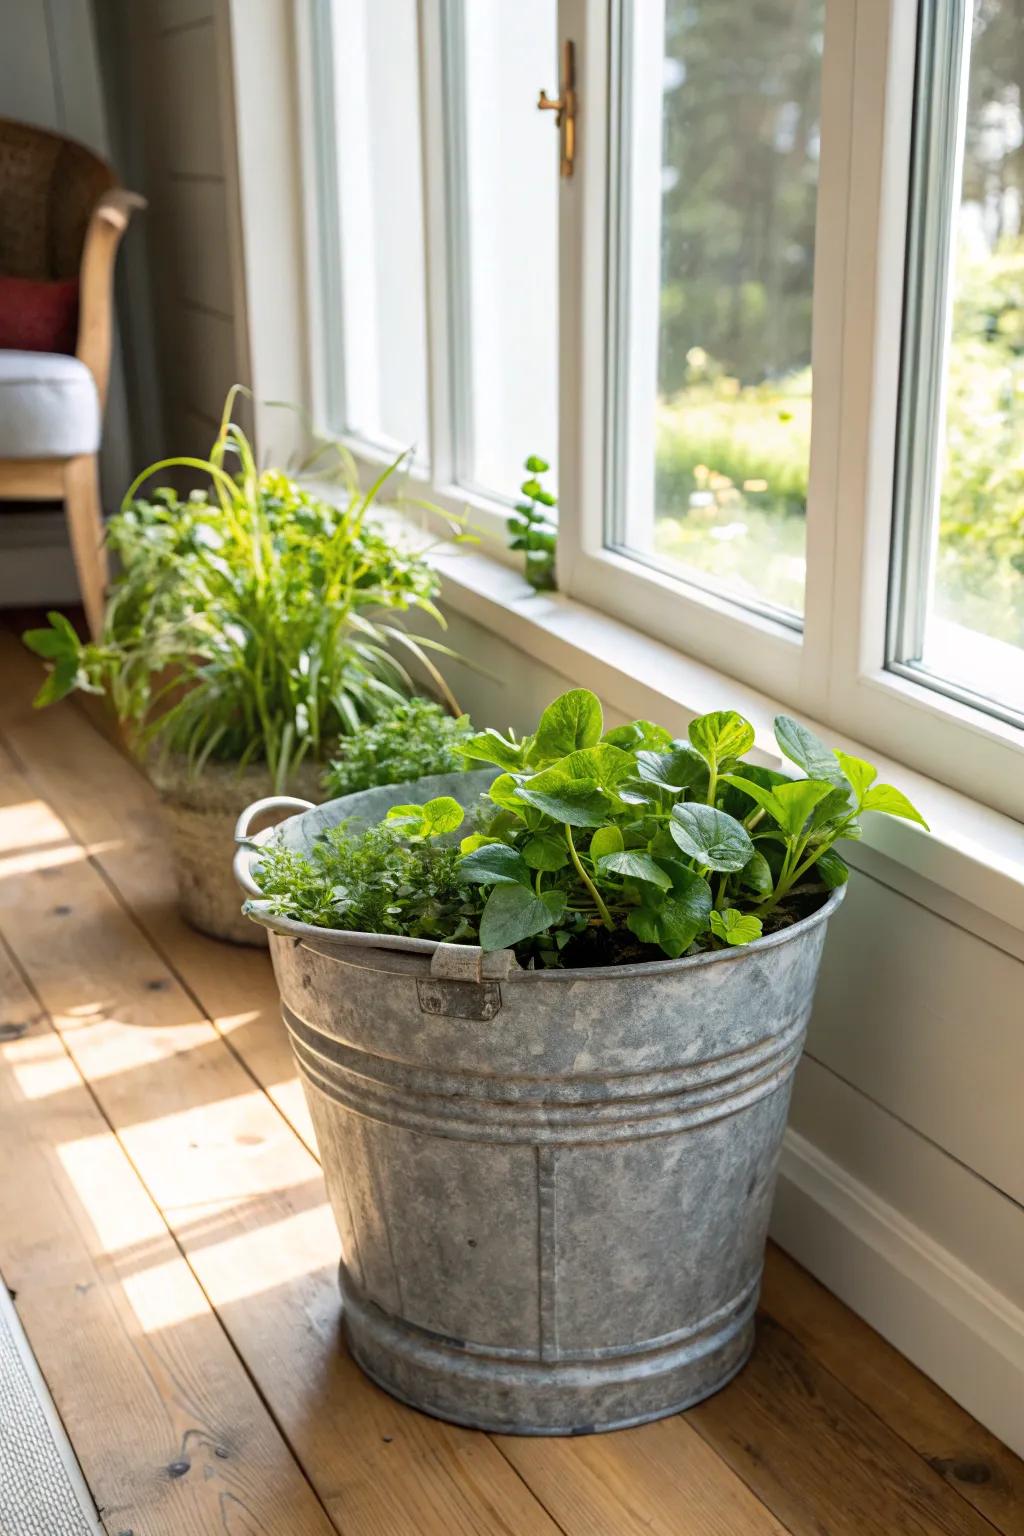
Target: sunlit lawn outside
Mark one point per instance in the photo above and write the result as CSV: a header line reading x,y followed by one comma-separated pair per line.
x,y
732,468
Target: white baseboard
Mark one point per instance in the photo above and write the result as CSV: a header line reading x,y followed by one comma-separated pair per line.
x,y
955,1327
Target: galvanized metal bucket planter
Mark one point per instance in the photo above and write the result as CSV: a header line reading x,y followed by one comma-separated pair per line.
x,y
552,1187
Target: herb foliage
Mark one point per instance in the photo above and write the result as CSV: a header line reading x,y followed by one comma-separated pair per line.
x,y
418,738
252,620
597,847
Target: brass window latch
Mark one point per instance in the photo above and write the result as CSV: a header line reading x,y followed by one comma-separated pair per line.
x,y
564,107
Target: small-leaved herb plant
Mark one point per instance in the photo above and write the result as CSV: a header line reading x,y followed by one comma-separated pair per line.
x,y
418,738
597,847
253,621
532,527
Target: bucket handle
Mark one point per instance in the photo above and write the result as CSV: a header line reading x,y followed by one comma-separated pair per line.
x,y
246,852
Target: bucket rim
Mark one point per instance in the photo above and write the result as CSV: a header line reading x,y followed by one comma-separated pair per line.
x,y
331,939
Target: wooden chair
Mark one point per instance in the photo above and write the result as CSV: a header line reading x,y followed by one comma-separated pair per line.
x,y
62,214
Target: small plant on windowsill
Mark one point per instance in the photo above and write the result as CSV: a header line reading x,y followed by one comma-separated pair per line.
x,y
532,528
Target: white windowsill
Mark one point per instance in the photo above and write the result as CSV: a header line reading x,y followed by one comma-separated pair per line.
x,y
973,855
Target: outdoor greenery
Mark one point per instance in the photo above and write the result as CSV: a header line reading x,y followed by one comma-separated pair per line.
x,y
741,110
980,557
741,132
731,480
532,529
597,847
252,621
732,465
417,738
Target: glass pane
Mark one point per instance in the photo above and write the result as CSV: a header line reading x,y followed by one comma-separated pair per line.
x,y
972,610
716,258
503,157
383,331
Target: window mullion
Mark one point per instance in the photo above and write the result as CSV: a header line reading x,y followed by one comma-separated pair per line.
x,y
582,310
879,129
939,139
831,257
438,241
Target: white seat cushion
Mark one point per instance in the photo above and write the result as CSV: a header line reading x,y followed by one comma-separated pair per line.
x,y
49,408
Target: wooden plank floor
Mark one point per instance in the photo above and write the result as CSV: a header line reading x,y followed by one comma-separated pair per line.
x,y
164,1229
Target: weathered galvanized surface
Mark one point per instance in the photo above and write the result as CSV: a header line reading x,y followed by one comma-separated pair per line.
x,y
552,1187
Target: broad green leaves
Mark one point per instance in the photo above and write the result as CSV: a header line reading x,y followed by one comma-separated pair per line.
x,y
503,792
59,641
721,735
639,734
789,803
61,646
434,819
514,913
884,797
831,869
574,802
608,766
714,839
496,864
606,840
872,796
757,875
570,723
858,773
797,800
546,851
734,927
491,747
799,743
636,866
679,769
674,922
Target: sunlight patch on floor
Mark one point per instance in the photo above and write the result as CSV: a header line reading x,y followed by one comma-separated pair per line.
x,y
231,1021
273,1254
160,1296
41,1067
94,1166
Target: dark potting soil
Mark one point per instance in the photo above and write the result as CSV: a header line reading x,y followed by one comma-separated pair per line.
x,y
597,946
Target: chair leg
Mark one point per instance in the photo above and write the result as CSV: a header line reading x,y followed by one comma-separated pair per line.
x,y
85,529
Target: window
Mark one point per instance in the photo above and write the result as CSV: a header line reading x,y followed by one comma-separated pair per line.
x,y
503,217
762,195
374,253
959,590
717,174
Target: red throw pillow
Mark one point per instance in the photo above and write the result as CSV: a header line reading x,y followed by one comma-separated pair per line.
x,y
38,316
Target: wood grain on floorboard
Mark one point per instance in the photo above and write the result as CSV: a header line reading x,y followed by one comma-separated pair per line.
x,y
166,1423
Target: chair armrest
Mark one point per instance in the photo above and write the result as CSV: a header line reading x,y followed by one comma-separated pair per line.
x,y
107,224
116,207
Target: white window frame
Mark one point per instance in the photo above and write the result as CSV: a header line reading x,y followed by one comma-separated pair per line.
x,y
835,672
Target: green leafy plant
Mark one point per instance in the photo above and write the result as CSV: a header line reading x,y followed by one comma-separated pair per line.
x,y
252,621
383,881
418,738
597,847
532,528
